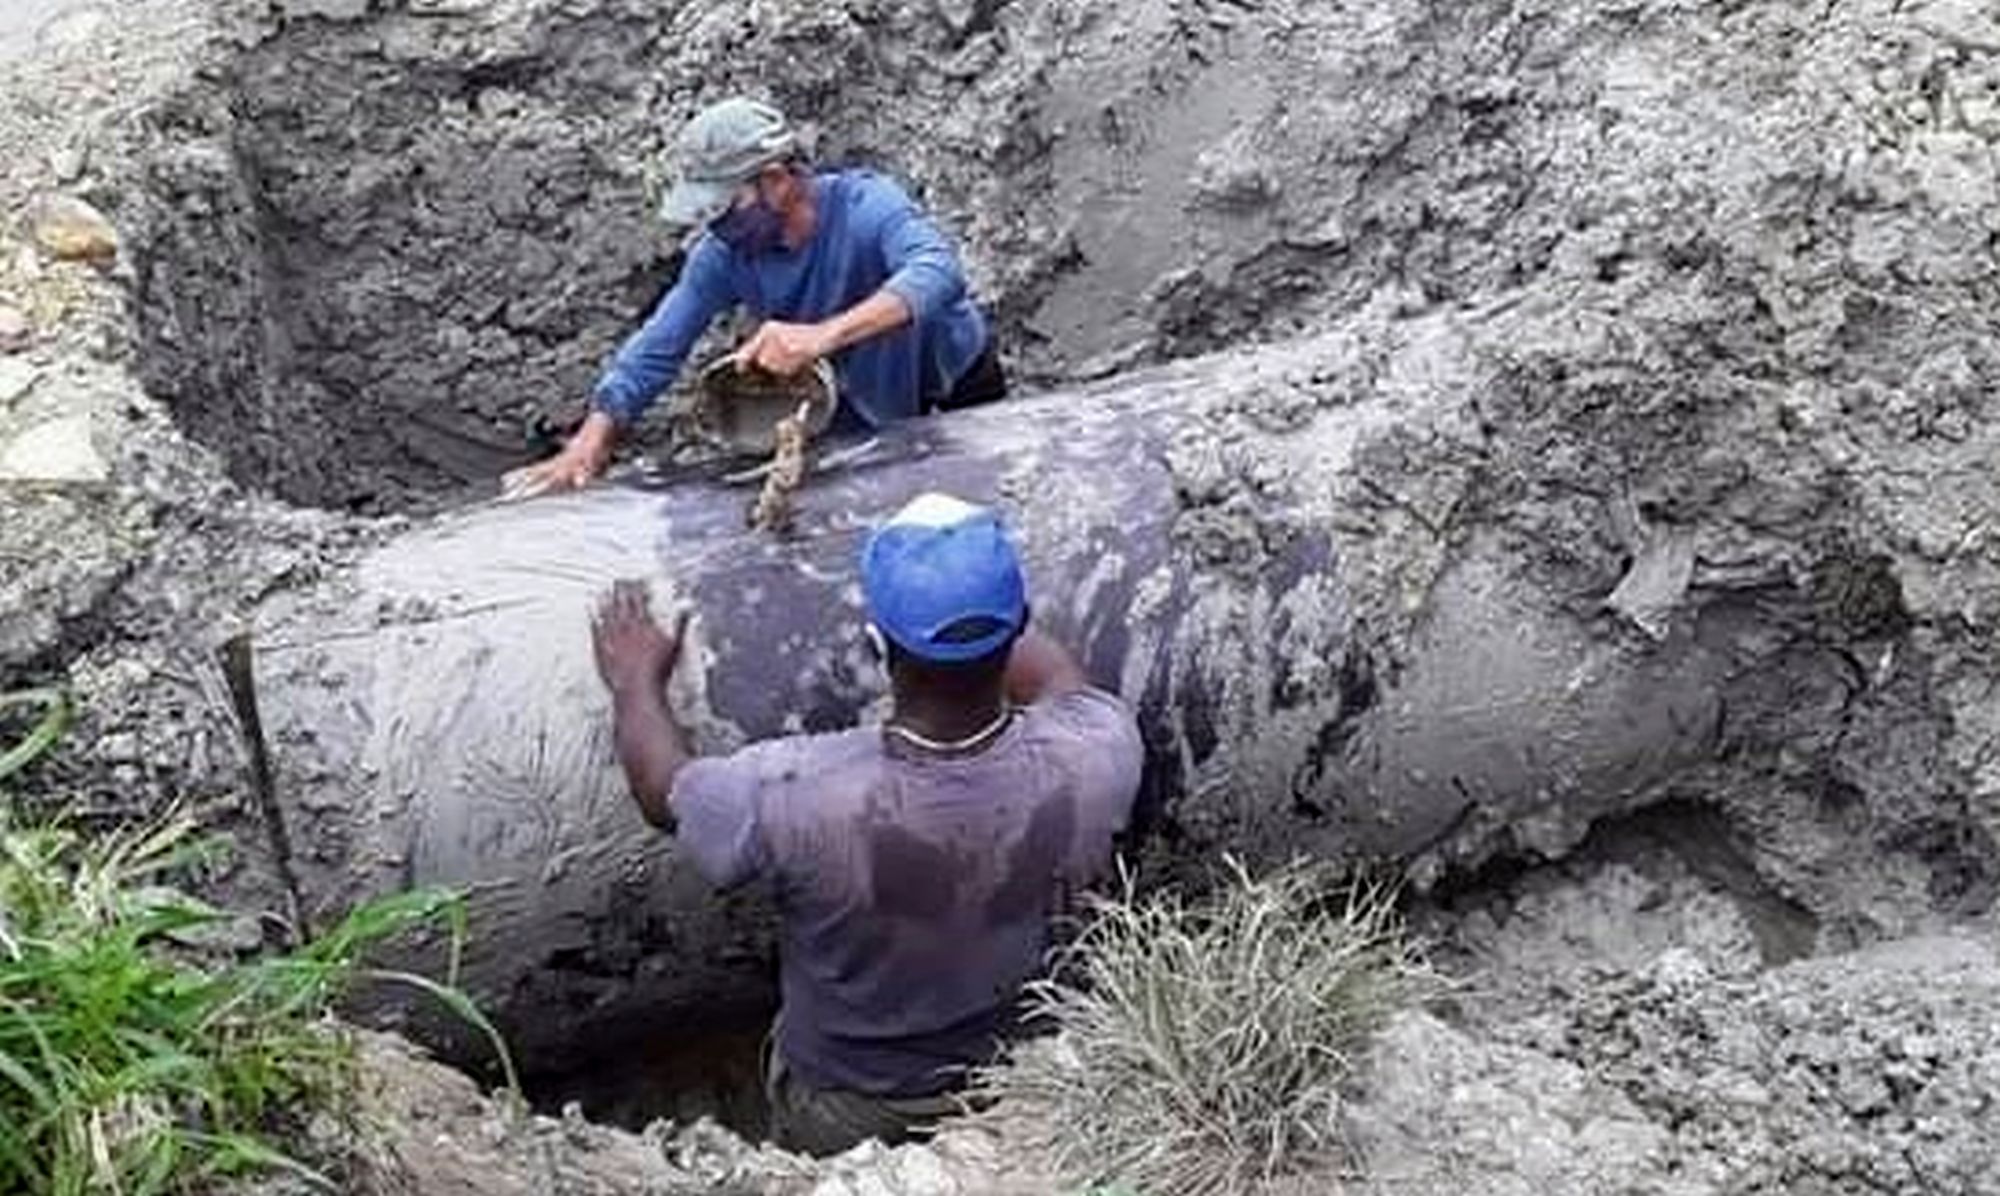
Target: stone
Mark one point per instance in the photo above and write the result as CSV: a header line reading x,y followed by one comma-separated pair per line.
x,y
16,332
78,28
17,378
919,1172
68,229
1652,589
67,163
328,10
59,450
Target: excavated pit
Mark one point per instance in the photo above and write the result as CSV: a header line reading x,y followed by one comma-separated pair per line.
x,y
372,251
376,273
380,247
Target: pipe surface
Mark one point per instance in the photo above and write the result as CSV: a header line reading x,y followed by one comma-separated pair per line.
x,y
436,718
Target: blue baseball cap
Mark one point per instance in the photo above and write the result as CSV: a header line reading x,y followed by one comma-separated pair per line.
x,y
943,581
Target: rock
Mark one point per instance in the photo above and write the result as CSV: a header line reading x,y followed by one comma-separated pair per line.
x,y
16,333
871,1169
1443,1111
56,451
68,229
919,1172
1802,1072
238,934
79,28
1656,583
68,162
329,10
17,378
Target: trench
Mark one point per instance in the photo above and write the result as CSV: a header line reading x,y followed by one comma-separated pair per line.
x,y
377,254
381,251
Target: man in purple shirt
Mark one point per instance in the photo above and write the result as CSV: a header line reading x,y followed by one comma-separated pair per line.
x,y
918,865
839,265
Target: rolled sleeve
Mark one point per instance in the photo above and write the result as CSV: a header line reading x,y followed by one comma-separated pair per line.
x,y
924,271
651,358
718,820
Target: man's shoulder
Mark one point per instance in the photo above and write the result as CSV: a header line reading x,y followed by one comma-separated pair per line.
x,y
790,758
708,255
1095,734
1087,740
1088,713
868,191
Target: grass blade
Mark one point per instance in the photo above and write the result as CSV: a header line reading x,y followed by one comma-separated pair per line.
x,y
54,722
463,1006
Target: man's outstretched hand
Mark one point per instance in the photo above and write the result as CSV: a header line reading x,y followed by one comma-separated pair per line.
x,y
634,653
584,457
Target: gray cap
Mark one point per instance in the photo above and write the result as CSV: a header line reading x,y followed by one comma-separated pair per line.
x,y
725,145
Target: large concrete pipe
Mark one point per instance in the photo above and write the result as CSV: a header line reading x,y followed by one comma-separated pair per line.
x,y
434,716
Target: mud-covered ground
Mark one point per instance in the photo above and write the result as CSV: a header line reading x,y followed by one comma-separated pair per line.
x,y
1687,313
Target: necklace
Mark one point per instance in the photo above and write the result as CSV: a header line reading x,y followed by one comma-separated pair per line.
x,y
947,746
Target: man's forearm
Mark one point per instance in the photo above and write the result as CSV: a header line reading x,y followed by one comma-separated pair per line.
x,y
1040,668
884,311
651,748
597,434
651,358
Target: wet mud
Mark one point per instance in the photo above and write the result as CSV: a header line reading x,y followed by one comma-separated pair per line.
x,y
435,717
1588,509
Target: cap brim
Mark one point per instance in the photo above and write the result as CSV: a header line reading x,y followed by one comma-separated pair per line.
x,y
691,202
933,651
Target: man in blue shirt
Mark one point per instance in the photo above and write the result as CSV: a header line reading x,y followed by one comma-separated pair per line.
x,y
840,265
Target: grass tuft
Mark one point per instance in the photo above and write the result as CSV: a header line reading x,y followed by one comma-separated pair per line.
x,y
1202,1047
128,1066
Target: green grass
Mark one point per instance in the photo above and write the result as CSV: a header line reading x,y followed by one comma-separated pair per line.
x,y
56,713
130,1065
1202,1047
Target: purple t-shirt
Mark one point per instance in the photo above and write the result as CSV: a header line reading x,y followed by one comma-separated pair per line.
x,y
916,889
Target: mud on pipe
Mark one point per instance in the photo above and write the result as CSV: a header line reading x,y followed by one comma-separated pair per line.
x,y
434,715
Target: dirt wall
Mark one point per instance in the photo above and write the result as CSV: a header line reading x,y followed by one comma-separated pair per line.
x,y
1681,318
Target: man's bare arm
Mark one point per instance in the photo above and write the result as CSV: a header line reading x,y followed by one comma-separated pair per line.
x,y
636,658
785,348
1040,668
884,311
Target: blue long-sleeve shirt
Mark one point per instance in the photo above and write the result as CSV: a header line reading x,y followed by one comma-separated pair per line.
x,y
869,235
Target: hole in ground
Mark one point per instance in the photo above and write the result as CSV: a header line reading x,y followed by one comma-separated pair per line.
x,y
709,1066
1673,874
677,1063
371,252
366,275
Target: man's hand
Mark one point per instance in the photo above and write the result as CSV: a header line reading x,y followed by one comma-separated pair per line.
x,y
785,349
576,466
636,658
634,654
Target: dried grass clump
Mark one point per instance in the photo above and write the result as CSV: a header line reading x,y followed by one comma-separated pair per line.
x,y
1202,1047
